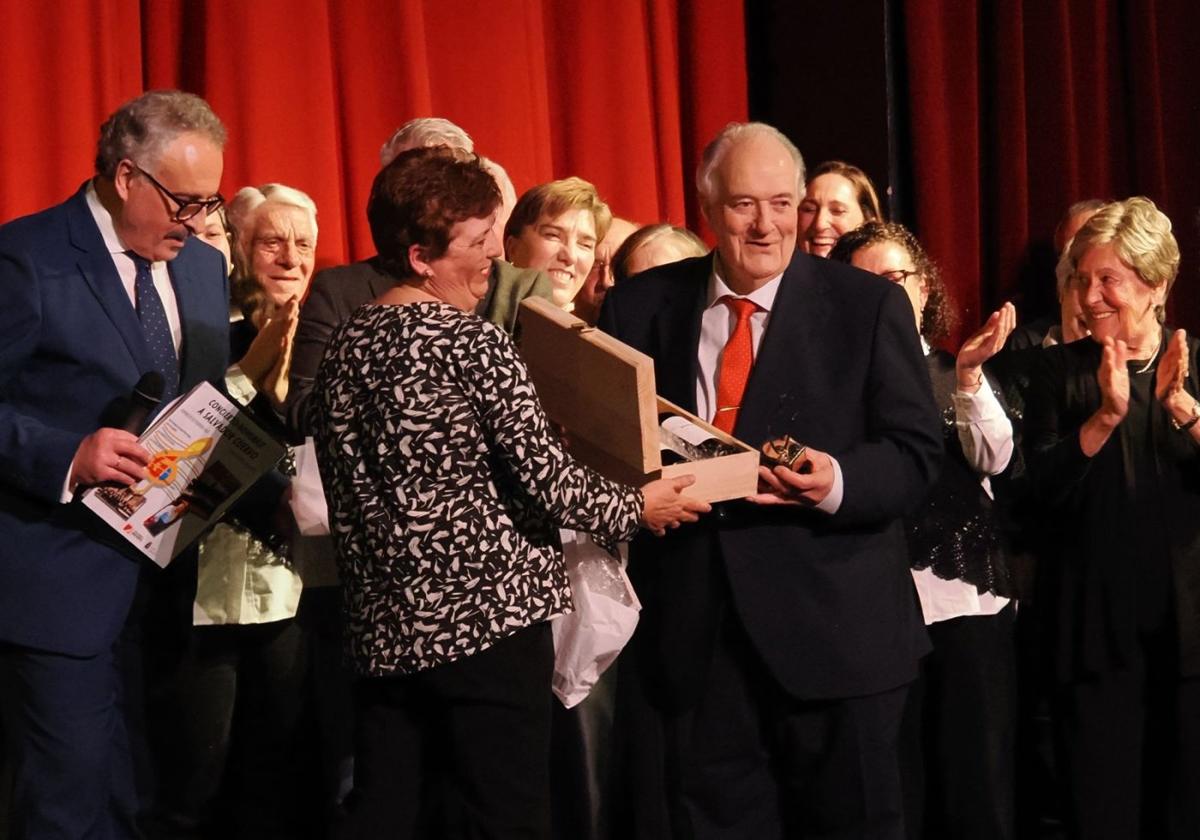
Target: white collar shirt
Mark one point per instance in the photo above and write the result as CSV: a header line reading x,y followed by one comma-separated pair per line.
x,y
716,326
128,271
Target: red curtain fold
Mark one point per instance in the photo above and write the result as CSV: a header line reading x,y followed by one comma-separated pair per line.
x,y
60,77
1019,109
620,92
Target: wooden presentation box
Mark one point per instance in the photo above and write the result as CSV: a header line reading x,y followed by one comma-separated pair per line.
x,y
602,392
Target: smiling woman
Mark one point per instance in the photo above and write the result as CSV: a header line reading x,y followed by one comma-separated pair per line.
x,y
959,564
838,198
1112,425
555,227
446,489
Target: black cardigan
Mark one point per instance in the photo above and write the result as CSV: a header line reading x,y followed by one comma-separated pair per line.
x,y
1091,580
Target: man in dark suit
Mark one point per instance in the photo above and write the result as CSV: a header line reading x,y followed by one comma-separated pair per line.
x,y
336,292
97,291
761,695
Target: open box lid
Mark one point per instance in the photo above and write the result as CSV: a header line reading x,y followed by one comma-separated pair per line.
x,y
602,391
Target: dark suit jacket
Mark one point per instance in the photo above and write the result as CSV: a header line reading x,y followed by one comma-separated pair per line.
x,y
828,601
71,350
337,292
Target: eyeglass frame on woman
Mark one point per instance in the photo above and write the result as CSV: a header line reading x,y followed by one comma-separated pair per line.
x,y
899,276
207,205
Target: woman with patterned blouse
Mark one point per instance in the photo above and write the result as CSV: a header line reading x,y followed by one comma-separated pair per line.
x,y
446,487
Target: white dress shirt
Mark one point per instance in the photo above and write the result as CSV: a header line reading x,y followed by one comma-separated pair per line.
x,y
716,326
127,271
986,436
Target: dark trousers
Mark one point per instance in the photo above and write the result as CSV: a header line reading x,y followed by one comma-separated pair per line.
x,y
330,694
958,742
460,750
580,763
240,690
253,728
1131,741
750,761
65,735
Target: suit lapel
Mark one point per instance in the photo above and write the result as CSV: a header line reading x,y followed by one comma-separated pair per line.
x,y
678,336
96,267
186,299
792,342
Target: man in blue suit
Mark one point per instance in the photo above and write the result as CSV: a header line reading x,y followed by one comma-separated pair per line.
x,y
97,291
762,691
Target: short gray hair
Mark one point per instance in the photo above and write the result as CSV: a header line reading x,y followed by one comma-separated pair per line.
x,y
425,131
508,193
242,212
731,135
141,128
1088,206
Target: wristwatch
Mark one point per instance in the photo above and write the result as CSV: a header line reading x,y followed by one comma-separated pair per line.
x,y
1191,421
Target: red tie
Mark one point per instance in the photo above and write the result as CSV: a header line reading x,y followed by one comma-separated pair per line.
x,y
736,361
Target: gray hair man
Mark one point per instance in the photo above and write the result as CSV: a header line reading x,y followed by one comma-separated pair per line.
x,y
425,131
778,636
98,291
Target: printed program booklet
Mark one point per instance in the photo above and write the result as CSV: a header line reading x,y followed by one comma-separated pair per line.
x,y
205,451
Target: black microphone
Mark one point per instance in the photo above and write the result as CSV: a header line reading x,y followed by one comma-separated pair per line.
x,y
146,396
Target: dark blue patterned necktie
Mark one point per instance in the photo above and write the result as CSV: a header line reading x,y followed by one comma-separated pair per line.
x,y
157,329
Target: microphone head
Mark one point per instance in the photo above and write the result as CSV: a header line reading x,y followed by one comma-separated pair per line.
x,y
149,387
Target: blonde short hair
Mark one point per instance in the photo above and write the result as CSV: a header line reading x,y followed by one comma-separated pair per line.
x,y
554,198
1139,233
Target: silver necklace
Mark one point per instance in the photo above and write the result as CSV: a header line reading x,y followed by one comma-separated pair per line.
x,y
1153,356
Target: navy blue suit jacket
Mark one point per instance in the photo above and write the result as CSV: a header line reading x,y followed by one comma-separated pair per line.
x,y
71,350
828,601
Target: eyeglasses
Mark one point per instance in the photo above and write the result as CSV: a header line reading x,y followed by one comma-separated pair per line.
x,y
185,208
899,275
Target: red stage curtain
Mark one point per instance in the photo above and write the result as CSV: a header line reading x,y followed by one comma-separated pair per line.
x,y
1019,109
622,92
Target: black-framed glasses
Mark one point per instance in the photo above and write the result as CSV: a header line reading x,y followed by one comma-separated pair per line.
x,y
899,275
185,208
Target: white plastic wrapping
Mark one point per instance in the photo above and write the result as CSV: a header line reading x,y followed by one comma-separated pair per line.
x,y
588,640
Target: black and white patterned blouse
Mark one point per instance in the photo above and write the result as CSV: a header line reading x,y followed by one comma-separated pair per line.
x,y
445,487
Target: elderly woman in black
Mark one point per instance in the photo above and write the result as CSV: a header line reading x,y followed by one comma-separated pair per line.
x,y
446,486
1115,457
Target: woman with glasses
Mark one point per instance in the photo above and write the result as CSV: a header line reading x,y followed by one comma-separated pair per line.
x,y
958,734
1113,439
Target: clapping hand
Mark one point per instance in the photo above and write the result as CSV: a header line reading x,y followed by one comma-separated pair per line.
x,y
1170,378
984,344
1172,368
268,362
1113,377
